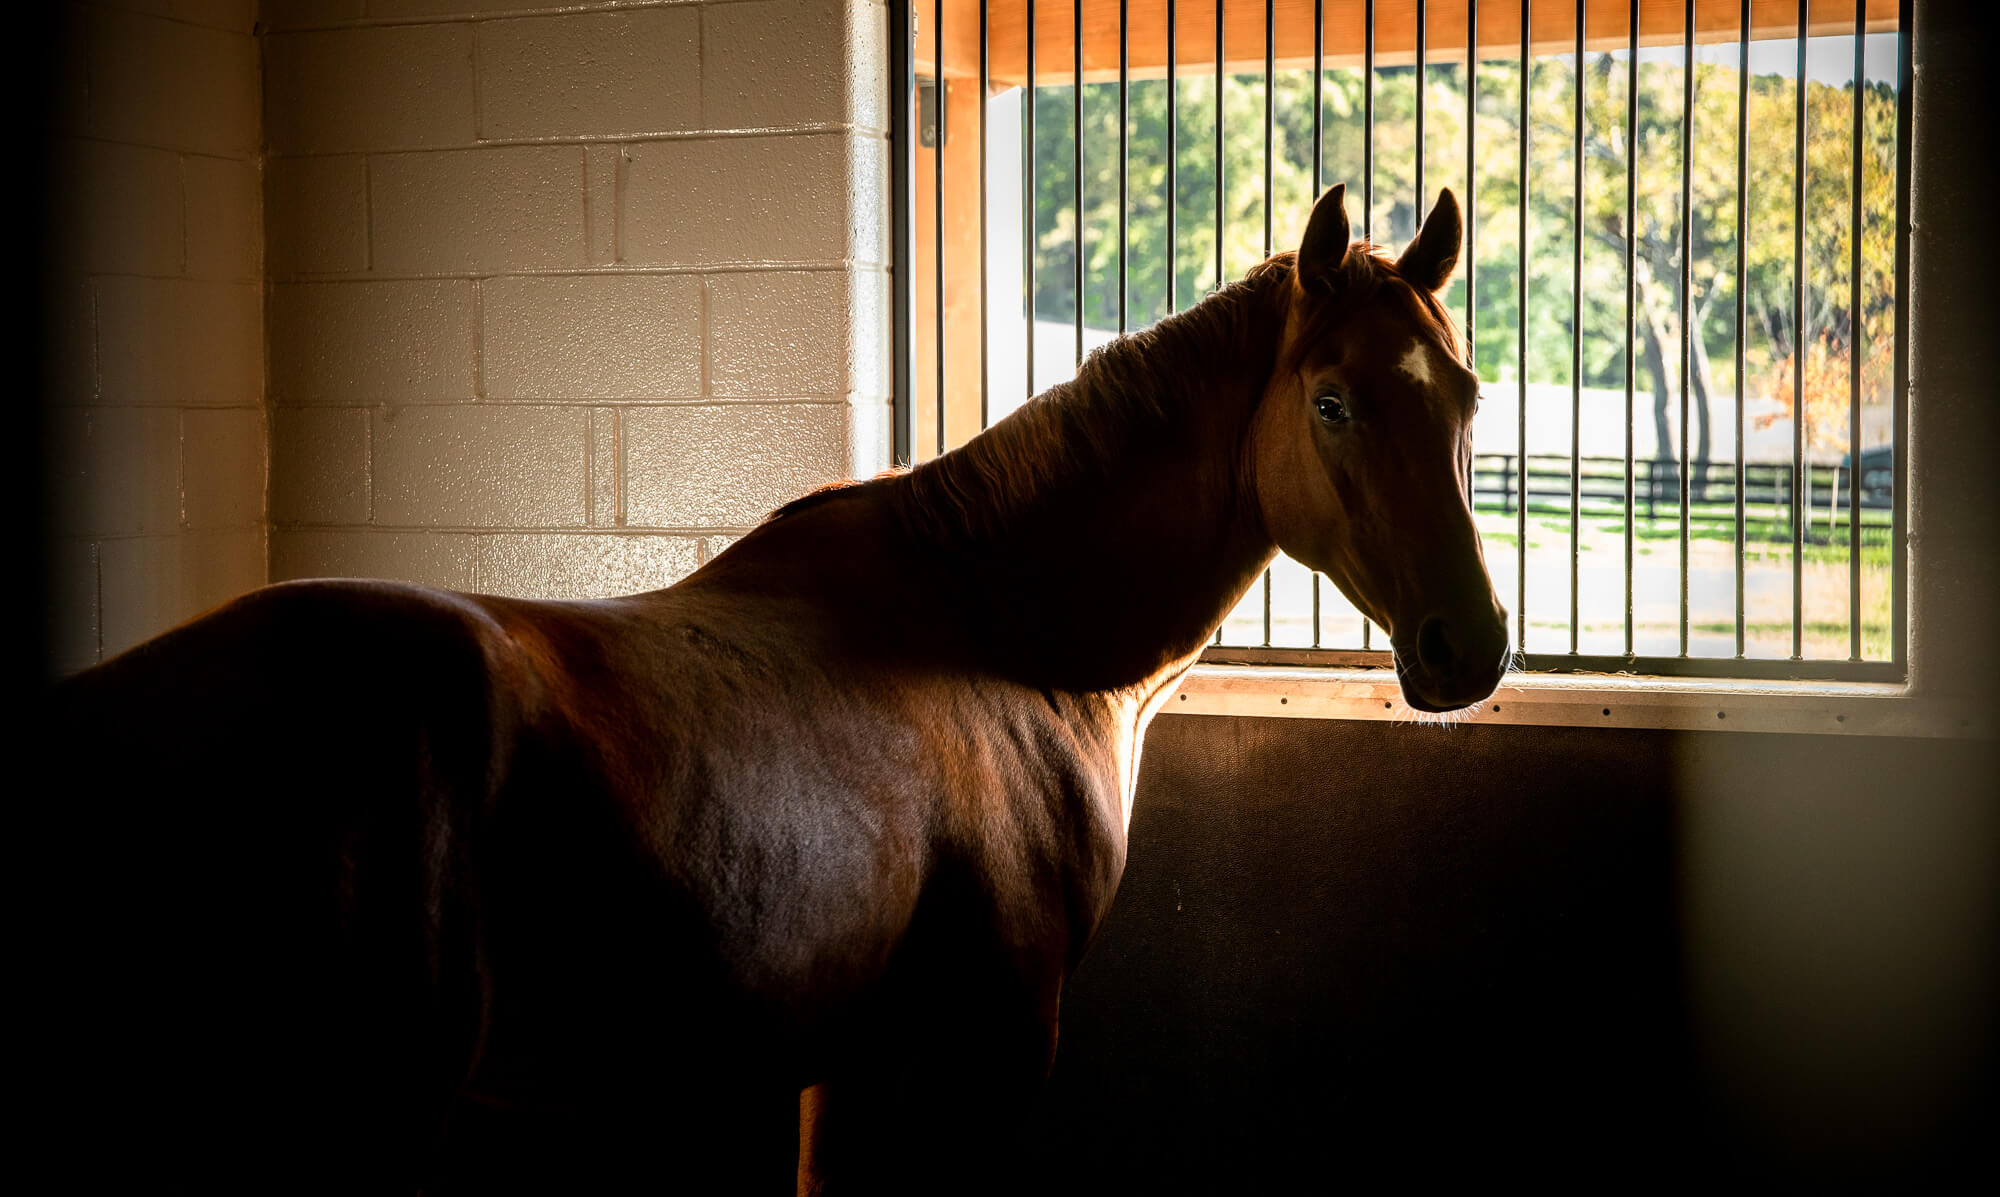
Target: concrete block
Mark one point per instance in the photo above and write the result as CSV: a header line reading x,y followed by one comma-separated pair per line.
x,y
121,208
172,84
319,465
180,341
443,559
225,233
591,74
371,341
466,465
153,583
727,467
223,468
504,208
777,63
737,200
389,87
592,337
585,565
115,471
784,334
317,214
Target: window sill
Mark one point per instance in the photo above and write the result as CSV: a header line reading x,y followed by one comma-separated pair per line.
x,y
1590,700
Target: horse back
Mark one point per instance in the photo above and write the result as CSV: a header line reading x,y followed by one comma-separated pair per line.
x,y
260,820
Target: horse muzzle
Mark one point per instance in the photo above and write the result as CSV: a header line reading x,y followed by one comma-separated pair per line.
x,y
1454,661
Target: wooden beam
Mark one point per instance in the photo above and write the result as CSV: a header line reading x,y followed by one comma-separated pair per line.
x,y
1552,31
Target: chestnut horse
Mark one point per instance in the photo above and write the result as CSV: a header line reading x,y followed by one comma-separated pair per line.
x,y
770,878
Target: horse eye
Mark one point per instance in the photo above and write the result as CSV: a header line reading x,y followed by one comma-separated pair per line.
x,y
1331,409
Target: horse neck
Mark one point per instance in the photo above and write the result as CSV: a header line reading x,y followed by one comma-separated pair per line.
x,y
1102,533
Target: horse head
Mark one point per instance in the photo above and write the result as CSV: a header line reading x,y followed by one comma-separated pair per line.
x,y
1361,449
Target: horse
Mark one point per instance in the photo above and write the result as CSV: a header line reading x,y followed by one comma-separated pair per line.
x,y
771,879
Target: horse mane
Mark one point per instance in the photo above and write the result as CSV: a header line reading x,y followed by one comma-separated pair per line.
x,y
1136,387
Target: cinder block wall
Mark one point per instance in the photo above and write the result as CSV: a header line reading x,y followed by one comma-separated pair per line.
x,y
155,370
561,301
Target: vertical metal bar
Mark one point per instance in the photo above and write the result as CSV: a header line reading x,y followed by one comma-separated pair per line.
x,y
1521,369
1576,347
1319,181
1270,64
1854,355
1368,172
1631,291
1028,198
1220,190
1124,145
1471,222
902,251
1422,80
1687,293
1899,440
1368,133
1219,174
1742,291
937,206
1076,153
1799,347
985,71
1471,184
1173,165
1219,171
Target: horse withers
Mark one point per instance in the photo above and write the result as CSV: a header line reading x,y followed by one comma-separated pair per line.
x,y
770,878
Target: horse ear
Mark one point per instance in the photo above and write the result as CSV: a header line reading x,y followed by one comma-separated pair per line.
x,y
1431,258
1324,247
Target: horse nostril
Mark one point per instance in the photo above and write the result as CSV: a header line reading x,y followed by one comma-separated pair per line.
x,y
1434,647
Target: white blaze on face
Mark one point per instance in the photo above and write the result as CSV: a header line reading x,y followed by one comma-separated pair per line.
x,y
1416,364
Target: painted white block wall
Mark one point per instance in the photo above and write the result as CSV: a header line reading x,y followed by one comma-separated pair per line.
x,y
561,302
154,412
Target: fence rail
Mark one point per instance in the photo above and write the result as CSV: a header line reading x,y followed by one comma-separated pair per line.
x,y
1499,486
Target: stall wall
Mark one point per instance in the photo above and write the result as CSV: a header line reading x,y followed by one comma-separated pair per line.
x,y
561,302
1365,955
154,456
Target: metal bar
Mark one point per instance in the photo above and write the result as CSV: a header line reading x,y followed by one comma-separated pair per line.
x,y
1471,199
1124,144
937,206
1319,180
1899,441
1422,79
1901,397
1220,189
1076,153
1631,292
1270,65
1686,294
1028,198
1368,170
1173,166
1854,357
1799,347
1576,349
1471,179
1521,347
1742,289
1218,171
1368,130
985,71
902,249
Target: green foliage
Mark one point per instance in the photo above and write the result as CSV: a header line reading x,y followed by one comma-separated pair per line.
x,y
1656,241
